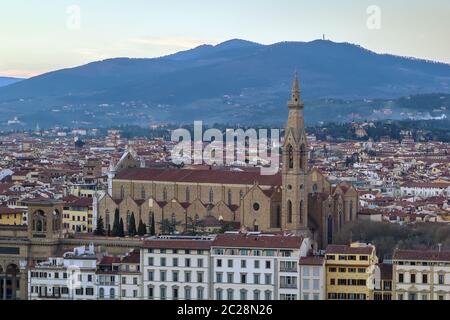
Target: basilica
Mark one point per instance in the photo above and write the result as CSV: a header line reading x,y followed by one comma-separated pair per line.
x,y
297,199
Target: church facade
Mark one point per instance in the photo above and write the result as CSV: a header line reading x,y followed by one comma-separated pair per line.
x,y
297,199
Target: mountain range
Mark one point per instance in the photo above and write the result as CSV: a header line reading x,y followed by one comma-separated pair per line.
x,y
235,81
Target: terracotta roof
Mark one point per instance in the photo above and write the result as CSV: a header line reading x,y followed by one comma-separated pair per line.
x,y
343,249
199,176
425,255
107,260
178,244
133,257
258,241
312,261
6,210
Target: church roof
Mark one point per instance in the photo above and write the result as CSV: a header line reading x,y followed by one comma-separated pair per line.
x,y
199,176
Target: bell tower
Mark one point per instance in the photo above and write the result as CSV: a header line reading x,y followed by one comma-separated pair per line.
x,y
295,166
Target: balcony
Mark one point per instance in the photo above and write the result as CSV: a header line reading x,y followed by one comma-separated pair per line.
x,y
288,286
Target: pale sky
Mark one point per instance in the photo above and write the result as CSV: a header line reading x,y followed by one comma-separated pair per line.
x,y
38,36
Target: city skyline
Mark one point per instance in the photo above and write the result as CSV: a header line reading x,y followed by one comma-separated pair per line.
x,y
70,33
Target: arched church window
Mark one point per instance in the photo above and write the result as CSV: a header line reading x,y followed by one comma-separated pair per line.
x,y
173,219
330,229
211,196
289,209
107,221
229,197
164,194
241,194
341,220
300,213
56,220
188,195
351,211
143,193
128,217
291,157
278,217
122,192
303,157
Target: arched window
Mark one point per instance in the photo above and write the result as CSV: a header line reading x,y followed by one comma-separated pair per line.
x,y
314,187
188,195
351,211
229,197
128,217
173,219
330,230
211,196
241,194
122,192
302,157
143,193
289,211
278,217
300,212
341,218
56,220
101,293
107,219
164,194
112,293
291,157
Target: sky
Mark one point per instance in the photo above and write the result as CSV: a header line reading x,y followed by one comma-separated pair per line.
x,y
38,36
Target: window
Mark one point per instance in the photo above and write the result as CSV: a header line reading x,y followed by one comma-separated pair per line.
x,y
256,278
243,278
162,276
401,278
256,295
200,263
175,276
150,275
230,294
306,271
150,292
112,293
163,262
267,264
413,278
306,284
230,263
289,206
124,293
188,262
187,293
219,277
187,276
316,284
268,295
424,278
219,262
230,277
200,293
175,293
200,277
162,293
219,294
243,263
256,264
211,196
101,293
268,278
175,262
243,295
441,279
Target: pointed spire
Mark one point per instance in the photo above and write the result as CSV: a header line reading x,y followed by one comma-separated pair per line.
x,y
296,89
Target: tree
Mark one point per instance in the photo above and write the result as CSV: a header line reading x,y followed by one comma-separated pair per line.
x,y
142,228
100,230
168,227
132,226
152,225
121,229
116,224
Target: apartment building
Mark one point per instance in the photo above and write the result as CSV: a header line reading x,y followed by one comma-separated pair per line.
x,y
257,266
176,268
383,282
70,277
350,271
312,278
421,275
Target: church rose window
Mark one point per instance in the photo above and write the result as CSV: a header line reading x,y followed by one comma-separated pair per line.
x,y
256,206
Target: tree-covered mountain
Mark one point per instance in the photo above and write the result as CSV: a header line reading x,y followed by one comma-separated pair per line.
x,y
227,81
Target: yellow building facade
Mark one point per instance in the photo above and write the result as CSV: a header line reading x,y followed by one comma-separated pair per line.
x,y
350,272
11,217
78,216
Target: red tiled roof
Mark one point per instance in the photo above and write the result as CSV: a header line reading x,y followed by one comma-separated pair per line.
x,y
312,261
107,260
424,255
258,241
199,176
343,249
178,244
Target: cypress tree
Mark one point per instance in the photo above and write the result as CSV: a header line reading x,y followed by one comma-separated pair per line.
x,y
152,226
100,230
132,226
121,232
142,229
116,224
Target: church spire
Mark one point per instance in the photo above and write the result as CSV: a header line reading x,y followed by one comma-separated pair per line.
x,y
295,91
